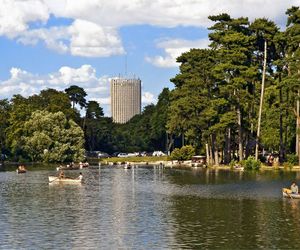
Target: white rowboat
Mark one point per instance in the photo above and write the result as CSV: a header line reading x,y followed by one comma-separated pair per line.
x,y
287,193
54,179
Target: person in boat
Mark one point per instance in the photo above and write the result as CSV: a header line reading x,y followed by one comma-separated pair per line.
x,y
80,177
21,168
294,188
61,174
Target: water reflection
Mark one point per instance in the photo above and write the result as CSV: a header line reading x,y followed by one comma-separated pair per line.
x,y
148,208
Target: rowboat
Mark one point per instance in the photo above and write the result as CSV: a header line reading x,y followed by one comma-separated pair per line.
x,y
67,168
127,166
287,193
21,171
55,179
238,167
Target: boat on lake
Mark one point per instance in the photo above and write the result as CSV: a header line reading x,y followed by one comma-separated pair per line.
x,y
72,166
55,179
238,168
67,168
127,166
21,169
287,193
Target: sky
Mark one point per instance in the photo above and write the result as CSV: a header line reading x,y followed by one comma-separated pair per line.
x,y
59,43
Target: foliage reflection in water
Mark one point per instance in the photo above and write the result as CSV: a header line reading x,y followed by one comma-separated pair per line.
x,y
149,208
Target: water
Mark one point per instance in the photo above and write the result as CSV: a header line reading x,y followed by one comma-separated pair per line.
x,y
149,208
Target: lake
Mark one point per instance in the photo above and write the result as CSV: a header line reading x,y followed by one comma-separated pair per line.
x,y
149,208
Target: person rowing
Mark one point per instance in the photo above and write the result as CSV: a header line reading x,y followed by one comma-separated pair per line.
x,y
61,174
80,177
294,188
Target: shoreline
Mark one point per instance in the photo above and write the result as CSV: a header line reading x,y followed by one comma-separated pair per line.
x,y
189,165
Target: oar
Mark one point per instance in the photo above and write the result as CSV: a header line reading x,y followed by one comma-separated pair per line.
x,y
289,195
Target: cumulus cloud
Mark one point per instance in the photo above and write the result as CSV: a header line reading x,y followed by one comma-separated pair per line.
x,y
98,88
91,40
82,38
26,83
165,13
148,98
94,30
16,15
173,49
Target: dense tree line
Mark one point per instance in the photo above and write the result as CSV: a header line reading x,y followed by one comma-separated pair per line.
x,y
241,95
50,127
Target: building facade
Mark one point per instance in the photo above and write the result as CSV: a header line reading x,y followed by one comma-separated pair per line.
x,y
125,99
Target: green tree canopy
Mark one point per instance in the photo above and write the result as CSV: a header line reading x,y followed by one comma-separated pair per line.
x,y
77,96
50,137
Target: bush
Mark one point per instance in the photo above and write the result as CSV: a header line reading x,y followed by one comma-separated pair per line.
x,y
251,163
288,165
292,159
233,163
183,154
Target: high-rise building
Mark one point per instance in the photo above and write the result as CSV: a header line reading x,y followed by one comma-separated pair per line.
x,y
125,99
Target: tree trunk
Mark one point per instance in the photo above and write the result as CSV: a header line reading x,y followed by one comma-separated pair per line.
x,y
297,125
207,154
170,143
297,128
261,100
286,118
211,152
227,150
281,146
215,150
240,136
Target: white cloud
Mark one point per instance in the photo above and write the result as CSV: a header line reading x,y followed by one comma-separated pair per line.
x,y
82,38
173,49
148,98
166,13
91,40
98,88
26,83
55,38
15,15
94,31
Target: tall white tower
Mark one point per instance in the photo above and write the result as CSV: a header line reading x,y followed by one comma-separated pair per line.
x,y
125,99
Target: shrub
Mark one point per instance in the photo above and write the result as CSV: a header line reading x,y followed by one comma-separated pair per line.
x,y
292,159
233,163
251,163
288,165
183,154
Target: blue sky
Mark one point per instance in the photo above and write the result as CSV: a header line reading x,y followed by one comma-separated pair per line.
x,y
57,43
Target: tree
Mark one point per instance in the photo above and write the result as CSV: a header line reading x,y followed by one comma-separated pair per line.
x,y
93,110
4,112
293,65
50,137
194,86
264,32
159,120
233,70
77,96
